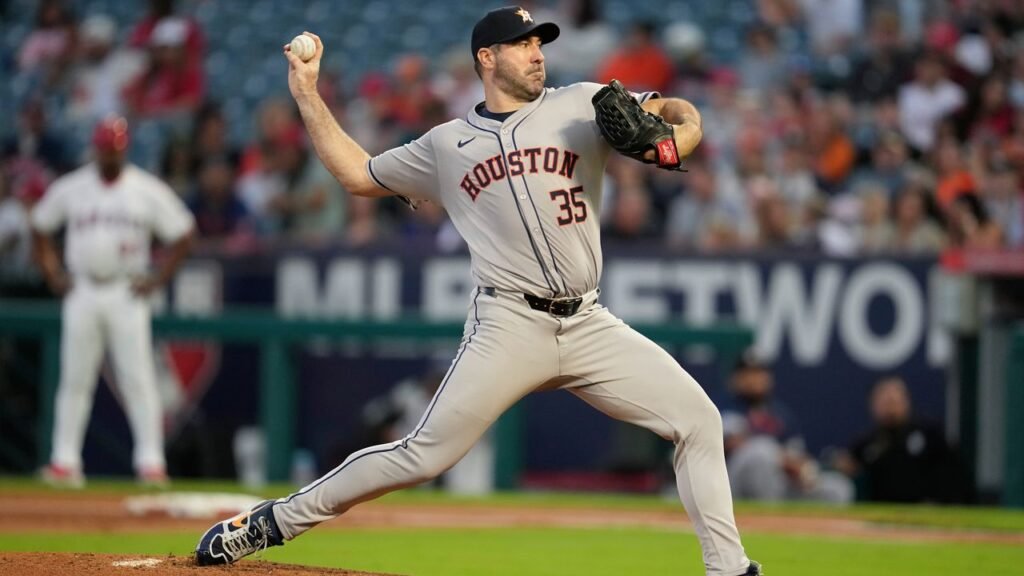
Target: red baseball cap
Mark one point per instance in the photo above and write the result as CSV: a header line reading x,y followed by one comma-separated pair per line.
x,y
111,134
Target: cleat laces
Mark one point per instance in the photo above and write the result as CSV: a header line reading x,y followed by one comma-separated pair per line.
x,y
251,539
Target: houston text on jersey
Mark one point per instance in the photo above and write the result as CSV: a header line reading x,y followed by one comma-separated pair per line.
x,y
526,161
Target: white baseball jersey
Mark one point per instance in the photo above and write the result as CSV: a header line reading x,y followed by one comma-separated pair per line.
x,y
525,193
109,224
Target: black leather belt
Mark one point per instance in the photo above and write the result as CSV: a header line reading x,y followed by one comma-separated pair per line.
x,y
562,307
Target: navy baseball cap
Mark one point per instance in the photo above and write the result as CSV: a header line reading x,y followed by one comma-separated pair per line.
x,y
508,24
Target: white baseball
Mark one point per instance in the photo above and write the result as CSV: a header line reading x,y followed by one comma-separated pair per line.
x,y
303,47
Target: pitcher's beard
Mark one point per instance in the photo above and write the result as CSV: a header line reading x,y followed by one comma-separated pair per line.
x,y
521,87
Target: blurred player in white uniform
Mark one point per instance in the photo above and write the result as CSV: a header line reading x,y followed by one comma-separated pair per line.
x,y
110,209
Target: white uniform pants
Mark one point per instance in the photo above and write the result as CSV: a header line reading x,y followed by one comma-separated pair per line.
x,y
509,350
100,318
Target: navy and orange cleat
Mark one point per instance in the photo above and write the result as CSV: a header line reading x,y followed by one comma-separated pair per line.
x,y
235,538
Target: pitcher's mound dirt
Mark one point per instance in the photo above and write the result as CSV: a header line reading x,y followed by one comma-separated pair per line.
x,y
47,563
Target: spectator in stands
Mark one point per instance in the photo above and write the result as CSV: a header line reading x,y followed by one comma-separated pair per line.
x,y
762,67
765,451
834,151
36,147
876,230
831,226
884,117
890,162
210,139
219,213
1004,201
751,150
260,187
141,36
914,230
1012,147
779,14
954,179
775,228
101,72
274,119
1016,87
177,166
685,43
925,101
171,85
631,216
370,117
969,225
941,38
993,118
704,218
312,206
640,63
584,42
457,85
879,70
721,122
411,95
833,25
973,52
793,178
363,226
15,233
785,116
49,48
903,459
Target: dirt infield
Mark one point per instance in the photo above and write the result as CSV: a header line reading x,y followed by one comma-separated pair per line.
x,y
78,512
42,564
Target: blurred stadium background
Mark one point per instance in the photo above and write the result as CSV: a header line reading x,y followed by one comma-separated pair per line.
x,y
855,211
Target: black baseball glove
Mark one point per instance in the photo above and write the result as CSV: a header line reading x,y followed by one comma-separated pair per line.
x,y
632,130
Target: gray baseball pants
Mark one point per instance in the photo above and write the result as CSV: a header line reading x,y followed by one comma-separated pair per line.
x,y
509,350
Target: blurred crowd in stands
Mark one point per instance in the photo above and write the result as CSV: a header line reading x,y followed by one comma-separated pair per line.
x,y
841,127
901,457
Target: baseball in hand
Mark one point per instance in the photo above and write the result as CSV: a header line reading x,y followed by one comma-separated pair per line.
x,y
303,47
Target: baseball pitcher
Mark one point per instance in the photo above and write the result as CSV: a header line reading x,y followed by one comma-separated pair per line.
x,y
520,177
110,209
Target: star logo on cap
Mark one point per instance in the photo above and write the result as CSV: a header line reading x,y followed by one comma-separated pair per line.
x,y
524,15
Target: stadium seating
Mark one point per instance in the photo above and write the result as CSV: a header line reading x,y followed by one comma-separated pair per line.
x,y
243,65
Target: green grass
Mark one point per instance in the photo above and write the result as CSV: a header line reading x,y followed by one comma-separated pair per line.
x,y
561,552
961,518
553,551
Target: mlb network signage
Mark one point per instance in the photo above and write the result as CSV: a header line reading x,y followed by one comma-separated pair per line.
x,y
830,328
876,314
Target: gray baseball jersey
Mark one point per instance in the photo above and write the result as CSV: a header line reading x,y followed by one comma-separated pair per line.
x,y
525,193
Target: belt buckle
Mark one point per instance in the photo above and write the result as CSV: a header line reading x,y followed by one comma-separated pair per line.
x,y
567,302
